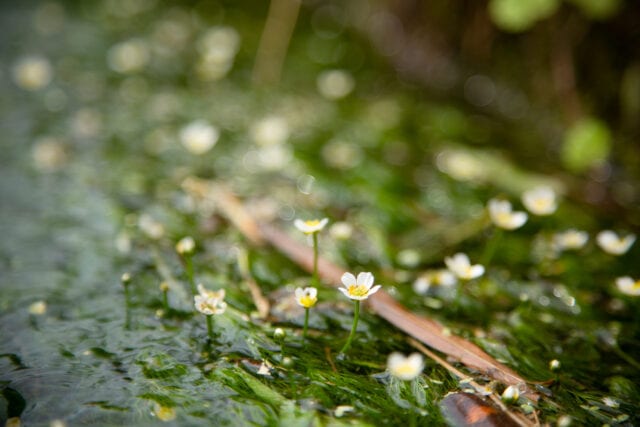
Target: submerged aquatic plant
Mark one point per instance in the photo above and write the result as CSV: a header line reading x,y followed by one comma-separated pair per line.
x,y
210,303
307,298
357,289
312,227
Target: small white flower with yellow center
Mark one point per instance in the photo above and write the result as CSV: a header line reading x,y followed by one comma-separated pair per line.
x,y
186,246
503,216
199,136
431,278
628,286
359,288
613,244
460,265
306,297
540,201
405,368
32,73
311,226
270,131
206,293
209,305
570,239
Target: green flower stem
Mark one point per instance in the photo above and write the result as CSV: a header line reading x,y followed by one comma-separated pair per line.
x,y
356,314
306,323
316,282
210,326
165,299
491,247
188,262
127,303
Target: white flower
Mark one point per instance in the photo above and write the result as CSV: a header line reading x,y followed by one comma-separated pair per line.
x,y
32,73
335,84
150,226
460,265
405,368
206,293
360,288
570,239
341,230
129,56
49,154
554,365
198,137
430,278
306,297
540,201
272,130
310,226
511,394
502,215
186,246
628,286
209,305
611,243
38,308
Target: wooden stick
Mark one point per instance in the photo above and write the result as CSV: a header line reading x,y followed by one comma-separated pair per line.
x,y
425,330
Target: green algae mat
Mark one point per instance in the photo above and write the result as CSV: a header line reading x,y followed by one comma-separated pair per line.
x,y
285,214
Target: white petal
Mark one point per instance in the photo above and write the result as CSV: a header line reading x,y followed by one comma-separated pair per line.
x,y
624,282
323,222
518,219
476,271
606,238
348,279
312,292
497,206
345,292
395,359
421,286
365,279
299,293
416,360
300,225
373,290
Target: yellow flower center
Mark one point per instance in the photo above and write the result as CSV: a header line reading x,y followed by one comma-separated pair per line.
x,y
307,301
541,203
358,290
636,285
312,223
404,369
503,217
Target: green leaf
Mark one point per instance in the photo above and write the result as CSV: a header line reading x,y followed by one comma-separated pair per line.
x,y
519,15
586,144
598,9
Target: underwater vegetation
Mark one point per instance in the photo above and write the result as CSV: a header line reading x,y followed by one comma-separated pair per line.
x,y
319,213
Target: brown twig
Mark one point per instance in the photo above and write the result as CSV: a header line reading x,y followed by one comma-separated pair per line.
x,y
427,331
517,418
